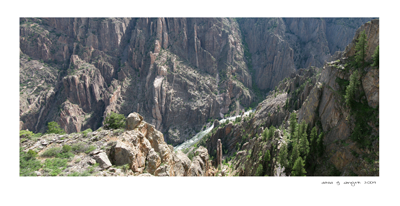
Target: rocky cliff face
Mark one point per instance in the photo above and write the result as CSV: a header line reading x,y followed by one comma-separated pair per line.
x,y
174,71
177,72
138,151
349,133
279,46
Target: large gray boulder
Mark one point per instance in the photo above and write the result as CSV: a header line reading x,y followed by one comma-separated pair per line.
x,y
133,120
103,160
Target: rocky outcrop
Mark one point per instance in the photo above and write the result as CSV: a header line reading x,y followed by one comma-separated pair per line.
x,y
219,153
182,164
370,84
308,110
253,156
200,165
137,152
372,31
133,120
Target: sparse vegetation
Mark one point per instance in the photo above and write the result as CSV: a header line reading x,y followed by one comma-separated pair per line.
x,y
28,163
114,121
54,128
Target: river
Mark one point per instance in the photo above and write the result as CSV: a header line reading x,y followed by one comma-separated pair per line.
x,y
197,137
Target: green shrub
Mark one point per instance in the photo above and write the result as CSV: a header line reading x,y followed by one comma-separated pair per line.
x,y
114,121
52,152
191,155
90,148
86,131
55,166
79,147
66,148
29,135
54,128
59,152
26,133
28,163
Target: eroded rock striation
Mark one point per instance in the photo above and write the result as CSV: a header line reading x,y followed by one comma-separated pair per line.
x,y
176,72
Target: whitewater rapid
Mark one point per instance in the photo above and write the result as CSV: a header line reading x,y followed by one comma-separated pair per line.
x,y
201,134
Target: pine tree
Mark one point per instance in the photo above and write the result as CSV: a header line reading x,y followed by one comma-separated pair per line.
x,y
267,158
283,156
271,132
303,127
260,170
361,49
295,153
375,57
293,123
352,87
264,134
298,168
304,145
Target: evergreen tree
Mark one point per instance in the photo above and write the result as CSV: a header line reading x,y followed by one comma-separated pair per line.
x,y
302,128
375,57
264,134
361,49
271,132
54,128
352,87
298,168
260,170
304,146
267,158
295,152
320,144
293,123
283,156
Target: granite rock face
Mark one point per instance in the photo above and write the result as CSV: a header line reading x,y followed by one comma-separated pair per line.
x,y
176,72
288,44
317,96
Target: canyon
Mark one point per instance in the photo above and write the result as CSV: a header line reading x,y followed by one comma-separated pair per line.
x,y
182,75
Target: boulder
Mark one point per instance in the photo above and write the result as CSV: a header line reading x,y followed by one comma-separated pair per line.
x,y
182,164
103,160
121,154
133,120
